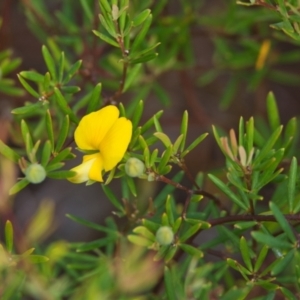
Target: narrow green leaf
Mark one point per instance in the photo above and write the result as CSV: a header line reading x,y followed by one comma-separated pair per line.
x,y
9,153
132,76
9,236
72,71
90,224
250,134
61,156
194,252
33,76
49,62
37,259
87,10
169,284
137,113
27,109
142,33
20,185
241,131
106,38
108,25
261,258
46,82
46,153
244,248
190,232
131,184
270,241
49,127
61,67
152,226
61,174
142,230
292,183
272,110
70,89
138,240
141,17
63,105
151,121
113,199
285,261
26,136
169,210
165,159
63,133
267,147
286,227
95,99
226,190
194,144
183,129
28,88
96,244
105,4
143,58
164,138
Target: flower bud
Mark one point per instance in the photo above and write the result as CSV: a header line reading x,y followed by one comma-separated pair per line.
x,y
134,167
164,235
35,173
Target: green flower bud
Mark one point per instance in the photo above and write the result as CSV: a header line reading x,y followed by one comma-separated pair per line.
x,y
35,173
134,167
164,235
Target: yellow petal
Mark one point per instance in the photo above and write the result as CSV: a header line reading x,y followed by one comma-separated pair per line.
x,y
95,172
93,127
115,143
82,171
90,169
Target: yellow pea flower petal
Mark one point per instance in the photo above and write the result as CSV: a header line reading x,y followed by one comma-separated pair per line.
x,y
95,172
82,171
93,127
115,143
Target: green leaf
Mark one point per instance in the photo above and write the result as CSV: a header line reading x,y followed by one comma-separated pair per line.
x,y
9,153
9,236
63,105
27,109
49,127
70,89
194,252
244,248
142,230
194,144
270,241
61,156
106,39
49,62
226,190
169,284
72,71
113,199
141,17
290,132
61,66
87,10
288,294
283,263
63,133
261,258
33,76
250,135
190,232
96,244
95,99
268,146
37,259
20,185
143,58
184,128
165,159
169,210
151,121
292,183
26,136
152,226
142,33
164,138
132,76
46,153
286,227
90,224
28,88
137,113
272,110
61,174
138,240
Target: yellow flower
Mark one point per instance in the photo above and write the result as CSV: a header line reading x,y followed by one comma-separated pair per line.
x,y
105,132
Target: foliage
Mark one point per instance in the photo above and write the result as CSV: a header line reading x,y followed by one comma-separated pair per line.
x,y
157,250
